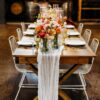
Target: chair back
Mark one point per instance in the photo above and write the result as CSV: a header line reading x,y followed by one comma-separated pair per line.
x,y
80,27
23,26
86,68
87,35
19,33
13,46
94,44
13,43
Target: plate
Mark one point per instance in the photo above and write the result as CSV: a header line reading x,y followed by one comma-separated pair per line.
x,y
69,26
32,26
73,33
74,42
29,32
25,43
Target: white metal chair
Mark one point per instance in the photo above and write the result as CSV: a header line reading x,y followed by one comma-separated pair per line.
x,y
19,33
80,27
85,68
22,68
87,35
23,26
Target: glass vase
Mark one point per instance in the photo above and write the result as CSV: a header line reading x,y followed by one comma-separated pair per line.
x,y
55,41
44,45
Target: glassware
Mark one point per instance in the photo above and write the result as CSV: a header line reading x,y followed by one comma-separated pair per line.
x,y
44,45
37,40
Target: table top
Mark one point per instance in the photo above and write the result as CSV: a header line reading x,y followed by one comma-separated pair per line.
x,y
70,54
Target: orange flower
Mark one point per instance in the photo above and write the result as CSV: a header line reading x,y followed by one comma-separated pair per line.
x,y
60,21
52,32
58,30
39,28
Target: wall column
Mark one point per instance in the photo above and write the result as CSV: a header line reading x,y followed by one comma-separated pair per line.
x,y
2,11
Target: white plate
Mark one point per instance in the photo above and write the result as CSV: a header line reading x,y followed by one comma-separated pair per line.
x,y
25,43
73,33
69,26
32,26
74,42
29,32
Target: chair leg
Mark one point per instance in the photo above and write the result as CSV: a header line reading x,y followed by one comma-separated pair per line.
x,y
17,93
83,81
20,85
22,79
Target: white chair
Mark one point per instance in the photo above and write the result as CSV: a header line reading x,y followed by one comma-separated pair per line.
x,y
23,26
19,33
22,68
80,27
87,35
85,68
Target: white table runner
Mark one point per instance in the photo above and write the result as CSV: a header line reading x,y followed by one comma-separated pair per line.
x,y
48,75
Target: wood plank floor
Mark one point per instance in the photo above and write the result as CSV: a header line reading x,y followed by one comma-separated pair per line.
x,y
9,77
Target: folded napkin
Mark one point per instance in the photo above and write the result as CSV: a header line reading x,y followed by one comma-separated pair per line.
x,y
48,74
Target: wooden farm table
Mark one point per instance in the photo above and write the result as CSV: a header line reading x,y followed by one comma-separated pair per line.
x,y
70,55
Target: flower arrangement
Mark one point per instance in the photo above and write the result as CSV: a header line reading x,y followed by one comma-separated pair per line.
x,y
48,30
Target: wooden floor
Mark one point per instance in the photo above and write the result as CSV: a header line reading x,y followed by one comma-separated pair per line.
x,y
9,77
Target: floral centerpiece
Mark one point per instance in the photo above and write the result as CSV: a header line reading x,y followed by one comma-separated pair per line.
x,y
49,29
43,35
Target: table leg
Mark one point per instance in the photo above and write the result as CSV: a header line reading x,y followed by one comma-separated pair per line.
x,y
68,73
62,79
36,98
34,68
63,95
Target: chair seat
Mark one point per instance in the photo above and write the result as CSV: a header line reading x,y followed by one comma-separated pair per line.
x,y
83,69
24,68
22,51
